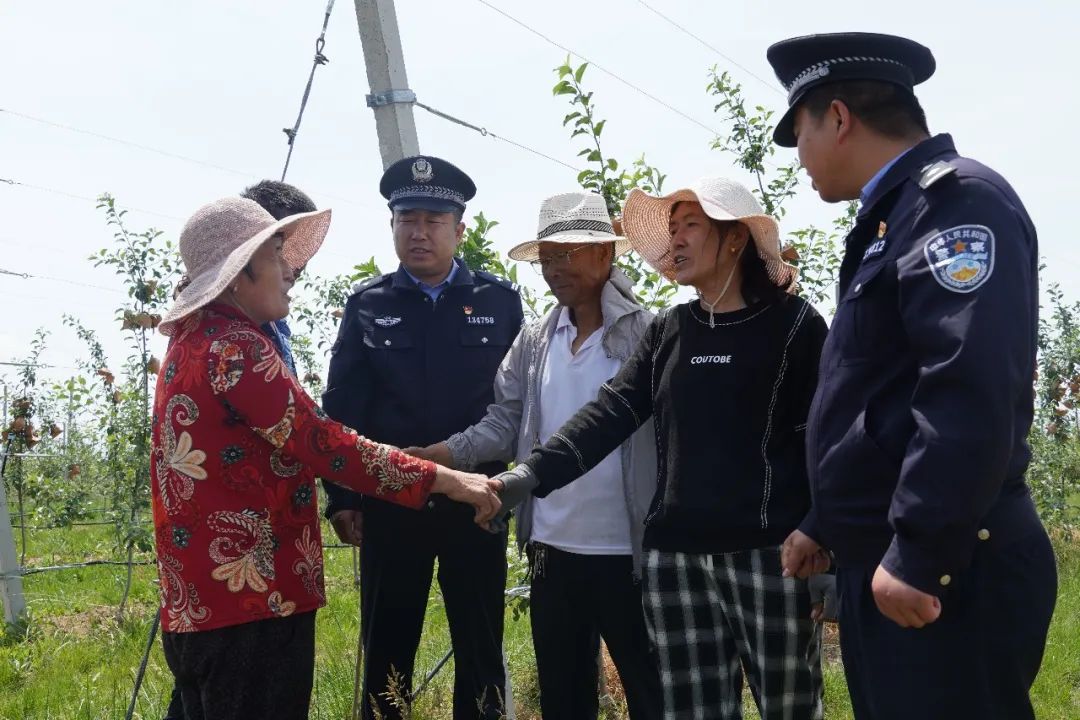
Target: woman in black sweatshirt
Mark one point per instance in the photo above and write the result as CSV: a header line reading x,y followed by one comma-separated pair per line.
x,y
728,378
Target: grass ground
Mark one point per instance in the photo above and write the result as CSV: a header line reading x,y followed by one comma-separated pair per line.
x,y
74,661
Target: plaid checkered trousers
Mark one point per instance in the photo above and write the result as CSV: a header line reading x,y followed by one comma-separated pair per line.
x,y
714,616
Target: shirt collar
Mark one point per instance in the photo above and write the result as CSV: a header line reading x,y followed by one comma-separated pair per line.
x,y
564,320
424,286
868,188
904,166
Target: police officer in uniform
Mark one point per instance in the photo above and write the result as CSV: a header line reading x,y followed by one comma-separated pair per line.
x,y
917,436
414,362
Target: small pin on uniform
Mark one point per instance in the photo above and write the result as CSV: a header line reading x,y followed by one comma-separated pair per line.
x,y
881,229
467,309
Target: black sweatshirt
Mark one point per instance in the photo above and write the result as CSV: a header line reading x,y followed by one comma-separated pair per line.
x,y
730,404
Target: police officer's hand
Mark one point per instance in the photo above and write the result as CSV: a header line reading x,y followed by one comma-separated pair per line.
x,y
348,526
439,453
904,605
801,557
822,589
469,488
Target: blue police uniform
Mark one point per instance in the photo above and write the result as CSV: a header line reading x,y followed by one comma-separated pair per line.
x,y
916,440
411,366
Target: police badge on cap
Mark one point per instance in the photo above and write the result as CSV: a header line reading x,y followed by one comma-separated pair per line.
x,y
424,182
804,63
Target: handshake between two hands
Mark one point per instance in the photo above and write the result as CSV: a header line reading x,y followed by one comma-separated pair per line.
x,y
492,498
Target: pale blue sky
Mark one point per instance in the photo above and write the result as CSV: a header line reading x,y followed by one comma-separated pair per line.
x,y
217,81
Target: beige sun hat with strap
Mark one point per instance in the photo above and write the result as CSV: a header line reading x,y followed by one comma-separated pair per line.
x,y
646,218
219,240
572,218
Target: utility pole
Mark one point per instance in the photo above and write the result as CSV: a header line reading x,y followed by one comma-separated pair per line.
x,y
390,97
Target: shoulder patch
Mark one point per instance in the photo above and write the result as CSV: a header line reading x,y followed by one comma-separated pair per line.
x,y
496,280
934,172
962,257
369,283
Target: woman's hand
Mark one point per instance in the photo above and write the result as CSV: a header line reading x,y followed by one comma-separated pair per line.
x,y
469,488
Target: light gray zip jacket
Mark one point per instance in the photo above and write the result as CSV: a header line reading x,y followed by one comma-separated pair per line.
x,y
511,428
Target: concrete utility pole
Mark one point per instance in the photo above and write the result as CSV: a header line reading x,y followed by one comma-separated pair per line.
x,y
390,97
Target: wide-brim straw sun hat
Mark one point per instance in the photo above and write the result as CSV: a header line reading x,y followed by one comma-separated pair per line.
x,y
219,240
572,218
646,219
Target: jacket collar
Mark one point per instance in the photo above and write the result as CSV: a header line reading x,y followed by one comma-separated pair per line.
x,y
908,165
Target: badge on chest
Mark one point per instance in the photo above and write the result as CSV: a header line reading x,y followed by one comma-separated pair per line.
x,y
472,319
877,247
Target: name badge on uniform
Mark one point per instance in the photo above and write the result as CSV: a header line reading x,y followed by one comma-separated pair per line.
x,y
471,319
878,246
962,257
388,321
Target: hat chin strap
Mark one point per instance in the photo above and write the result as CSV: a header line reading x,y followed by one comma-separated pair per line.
x,y
723,291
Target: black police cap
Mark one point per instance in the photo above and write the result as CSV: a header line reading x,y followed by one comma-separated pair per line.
x,y
424,182
804,63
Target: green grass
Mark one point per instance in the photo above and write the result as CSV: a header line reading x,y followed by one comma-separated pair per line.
x,y
73,660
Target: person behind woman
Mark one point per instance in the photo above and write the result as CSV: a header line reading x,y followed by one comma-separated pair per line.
x,y
728,380
236,446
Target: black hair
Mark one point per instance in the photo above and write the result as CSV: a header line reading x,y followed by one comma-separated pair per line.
x,y
757,286
886,108
279,199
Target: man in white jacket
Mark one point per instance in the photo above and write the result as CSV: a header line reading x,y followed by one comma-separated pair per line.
x,y
583,541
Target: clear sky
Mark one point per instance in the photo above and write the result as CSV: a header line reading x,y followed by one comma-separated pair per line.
x,y
216,81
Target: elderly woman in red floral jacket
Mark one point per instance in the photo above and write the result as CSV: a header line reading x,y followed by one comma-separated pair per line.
x,y
237,445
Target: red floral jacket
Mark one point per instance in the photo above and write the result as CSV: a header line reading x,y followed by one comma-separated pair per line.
x,y
236,447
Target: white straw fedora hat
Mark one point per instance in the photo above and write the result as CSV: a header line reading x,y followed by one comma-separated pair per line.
x,y
219,240
645,221
572,218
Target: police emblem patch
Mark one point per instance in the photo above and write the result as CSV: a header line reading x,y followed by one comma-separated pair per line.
x,y
422,171
962,257
388,321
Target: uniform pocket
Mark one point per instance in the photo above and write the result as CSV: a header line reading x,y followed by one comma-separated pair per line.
x,y
388,339
864,335
483,337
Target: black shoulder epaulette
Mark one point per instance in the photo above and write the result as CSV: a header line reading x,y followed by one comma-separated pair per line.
x,y
934,172
371,282
496,280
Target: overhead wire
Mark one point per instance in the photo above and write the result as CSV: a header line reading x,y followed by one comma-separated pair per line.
x,y
320,59
156,151
770,85
488,133
602,69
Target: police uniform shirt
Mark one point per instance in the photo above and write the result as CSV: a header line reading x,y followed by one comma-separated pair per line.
x,y
412,369
917,437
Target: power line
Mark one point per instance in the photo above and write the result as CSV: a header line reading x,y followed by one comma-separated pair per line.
x,y
128,143
157,151
611,74
320,59
766,83
73,196
30,276
487,133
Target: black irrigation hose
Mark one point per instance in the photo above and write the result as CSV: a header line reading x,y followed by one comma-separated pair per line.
x,y
142,665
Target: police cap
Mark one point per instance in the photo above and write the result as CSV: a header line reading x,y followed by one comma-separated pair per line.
x,y
804,63
423,182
